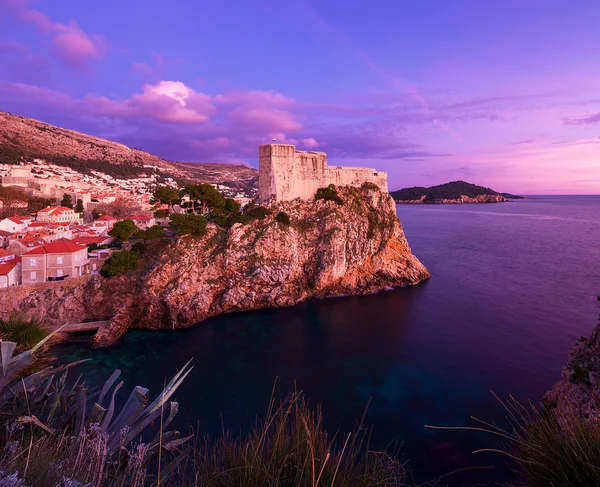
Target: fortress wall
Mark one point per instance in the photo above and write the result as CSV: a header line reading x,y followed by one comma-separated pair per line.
x,y
356,176
287,174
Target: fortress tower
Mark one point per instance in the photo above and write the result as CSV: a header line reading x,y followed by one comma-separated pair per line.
x,y
287,174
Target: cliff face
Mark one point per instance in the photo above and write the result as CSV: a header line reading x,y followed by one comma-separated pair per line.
x,y
328,250
578,390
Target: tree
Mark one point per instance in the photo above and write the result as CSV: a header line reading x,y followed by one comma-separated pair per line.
x,y
232,206
329,194
67,201
155,232
283,218
189,224
166,195
124,230
9,197
206,195
160,214
79,207
120,262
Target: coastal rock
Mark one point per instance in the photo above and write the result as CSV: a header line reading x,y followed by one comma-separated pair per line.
x,y
328,250
482,198
578,390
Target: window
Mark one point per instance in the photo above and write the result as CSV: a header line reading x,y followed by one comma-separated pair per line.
x,y
59,259
33,262
33,275
59,273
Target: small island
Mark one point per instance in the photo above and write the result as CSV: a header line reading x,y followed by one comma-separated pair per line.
x,y
451,193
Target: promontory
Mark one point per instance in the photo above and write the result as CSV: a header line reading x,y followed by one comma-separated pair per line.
x,y
332,232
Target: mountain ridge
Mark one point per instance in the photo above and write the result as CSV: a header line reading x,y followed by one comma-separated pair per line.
x,y
27,138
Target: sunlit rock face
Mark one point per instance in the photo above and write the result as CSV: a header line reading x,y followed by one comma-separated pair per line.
x,y
328,249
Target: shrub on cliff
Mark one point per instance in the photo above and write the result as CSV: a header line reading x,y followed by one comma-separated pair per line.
x,y
155,232
367,185
329,194
189,224
124,230
257,212
283,218
25,332
120,262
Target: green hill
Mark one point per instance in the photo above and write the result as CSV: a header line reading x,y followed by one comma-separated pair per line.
x,y
448,191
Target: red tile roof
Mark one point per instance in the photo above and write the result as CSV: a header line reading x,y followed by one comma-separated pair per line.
x,y
51,210
4,253
106,218
60,246
88,240
8,265
16,220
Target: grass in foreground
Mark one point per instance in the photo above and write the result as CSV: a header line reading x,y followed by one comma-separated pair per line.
x,y
290,448
23,331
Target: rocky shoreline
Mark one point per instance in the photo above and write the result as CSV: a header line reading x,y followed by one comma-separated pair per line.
x,y
329,249
484,198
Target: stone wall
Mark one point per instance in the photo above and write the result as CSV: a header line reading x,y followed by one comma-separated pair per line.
x,y
287,174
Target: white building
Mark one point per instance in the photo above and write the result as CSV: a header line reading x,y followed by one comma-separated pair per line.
x,y
13,224
57,214
10,269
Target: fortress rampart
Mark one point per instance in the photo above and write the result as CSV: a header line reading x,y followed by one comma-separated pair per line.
x,y
287,174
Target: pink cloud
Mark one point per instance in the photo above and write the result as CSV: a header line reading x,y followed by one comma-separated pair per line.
x,y
173,101
69,43
255,98
264,118
310,143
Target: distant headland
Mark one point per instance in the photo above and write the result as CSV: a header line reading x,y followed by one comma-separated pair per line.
x,y
451,193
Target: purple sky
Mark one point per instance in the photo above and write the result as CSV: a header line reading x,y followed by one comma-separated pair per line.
x,y
499,93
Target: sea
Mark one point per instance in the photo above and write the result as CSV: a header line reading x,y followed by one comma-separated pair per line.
x,y
512,287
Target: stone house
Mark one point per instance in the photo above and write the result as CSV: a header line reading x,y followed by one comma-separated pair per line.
x,y
10,269
57,214
55,261
19,246
104,224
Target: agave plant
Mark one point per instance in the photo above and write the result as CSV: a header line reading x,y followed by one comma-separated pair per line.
x,y
46,401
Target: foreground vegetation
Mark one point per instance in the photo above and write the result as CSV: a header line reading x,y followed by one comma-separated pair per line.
x,y
58,434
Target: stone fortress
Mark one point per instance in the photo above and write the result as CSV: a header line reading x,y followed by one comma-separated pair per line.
x,y
286,174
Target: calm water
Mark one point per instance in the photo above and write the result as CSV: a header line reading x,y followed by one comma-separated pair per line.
x,y
513,285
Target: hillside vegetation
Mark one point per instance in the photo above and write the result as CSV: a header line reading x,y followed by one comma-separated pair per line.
x,y
26,138
449,191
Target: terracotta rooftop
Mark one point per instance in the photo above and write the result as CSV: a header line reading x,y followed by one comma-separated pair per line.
x,y
51,210
8,265
106,218
60,246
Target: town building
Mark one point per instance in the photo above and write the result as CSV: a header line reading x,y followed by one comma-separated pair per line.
x,y
286,174
10,269
104,224
57,214
55,261
18,244
13,224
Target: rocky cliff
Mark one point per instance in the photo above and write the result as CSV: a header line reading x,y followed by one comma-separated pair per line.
x,y
578,390
328,249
